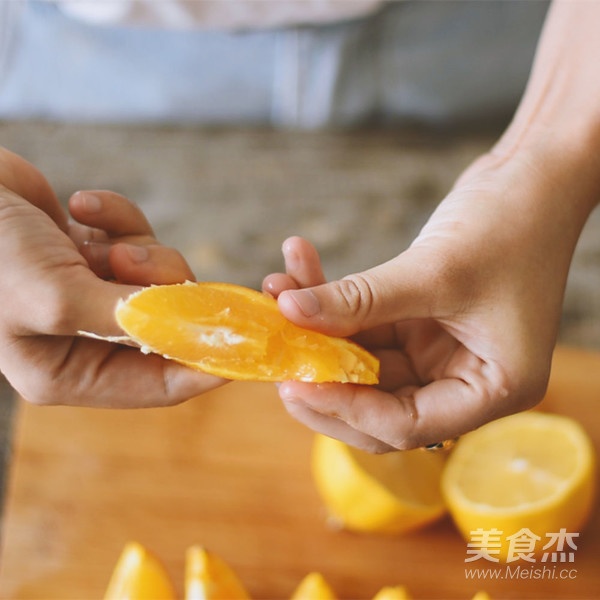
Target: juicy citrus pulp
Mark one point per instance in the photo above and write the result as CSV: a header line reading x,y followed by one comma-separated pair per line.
x,y
238,333
391,492
209,577
313,587
531,471
139,575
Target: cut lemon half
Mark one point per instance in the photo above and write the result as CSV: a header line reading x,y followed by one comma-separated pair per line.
x,y
238,333
521,478
209,577
313,587
391,493
139,575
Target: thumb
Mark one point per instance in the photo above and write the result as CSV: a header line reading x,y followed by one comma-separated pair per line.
x,y
396,290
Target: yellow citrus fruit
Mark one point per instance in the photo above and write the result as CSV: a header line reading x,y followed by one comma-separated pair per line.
x,y
481,595
391,492
527,475
209,577
238,333
313,587
139,575
392,593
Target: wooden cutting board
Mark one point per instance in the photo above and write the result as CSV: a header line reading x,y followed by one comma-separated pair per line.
x,y
230,470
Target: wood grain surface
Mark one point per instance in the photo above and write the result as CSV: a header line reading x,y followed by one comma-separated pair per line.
x,y
230,470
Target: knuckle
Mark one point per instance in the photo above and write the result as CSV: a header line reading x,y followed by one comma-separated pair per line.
x,y
357,294
41,390
58,315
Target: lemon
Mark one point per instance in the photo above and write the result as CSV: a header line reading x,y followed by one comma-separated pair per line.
x,y
209,577
139,575
390,493
313,587
528,476
392,593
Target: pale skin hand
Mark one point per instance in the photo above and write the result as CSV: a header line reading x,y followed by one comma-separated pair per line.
x,y
466,319
55,283
464,322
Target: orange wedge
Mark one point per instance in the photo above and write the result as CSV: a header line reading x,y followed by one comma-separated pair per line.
x,y
398,592
139,575
314,587
238,333
209,577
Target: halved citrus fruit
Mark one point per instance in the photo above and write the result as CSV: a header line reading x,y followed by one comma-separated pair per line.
x,y
521,478
391,493
209,577
238,333
139,575
313,587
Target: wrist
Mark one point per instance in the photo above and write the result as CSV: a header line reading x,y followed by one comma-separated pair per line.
x,y
556,128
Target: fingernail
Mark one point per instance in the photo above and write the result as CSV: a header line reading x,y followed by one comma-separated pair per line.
x,y
307,302
99,251
91,203
137,254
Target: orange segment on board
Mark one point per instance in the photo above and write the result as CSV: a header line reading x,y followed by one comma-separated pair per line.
x,y
209,577
139,575
238,333
313,587
398,592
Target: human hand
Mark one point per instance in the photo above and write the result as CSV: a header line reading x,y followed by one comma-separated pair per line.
x,y
464,321
56,281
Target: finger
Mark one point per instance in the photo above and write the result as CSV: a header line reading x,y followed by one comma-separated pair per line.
x,y
23,179
147,265
82,234
110,212
413,416
97,256
84,372
396,290
303,268
275,283
302,262
333,427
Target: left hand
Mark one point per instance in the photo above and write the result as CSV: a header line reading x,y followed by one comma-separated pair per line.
x,y
59,278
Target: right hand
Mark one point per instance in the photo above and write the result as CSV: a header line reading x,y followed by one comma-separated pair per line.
x,y
464,321
56,282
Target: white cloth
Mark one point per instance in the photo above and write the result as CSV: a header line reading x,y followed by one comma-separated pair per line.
x,y
444,61
215,14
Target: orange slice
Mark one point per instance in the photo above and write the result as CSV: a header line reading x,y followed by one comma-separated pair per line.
x,y
238,333
313,587
139,575
209,577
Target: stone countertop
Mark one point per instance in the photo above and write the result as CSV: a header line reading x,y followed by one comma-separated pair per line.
x,y
227,198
